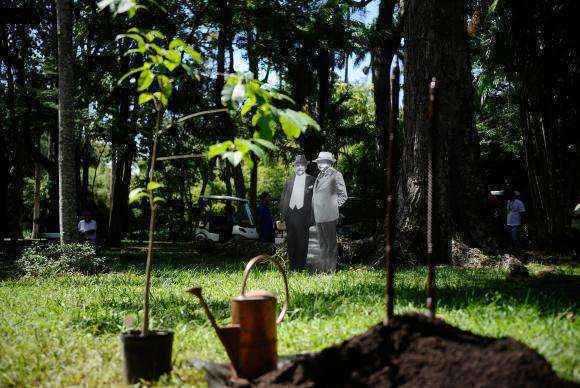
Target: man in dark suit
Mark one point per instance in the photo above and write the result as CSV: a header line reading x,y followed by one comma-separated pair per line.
x,y
296,207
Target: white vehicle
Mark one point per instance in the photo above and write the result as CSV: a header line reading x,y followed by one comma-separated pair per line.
x,y
223,217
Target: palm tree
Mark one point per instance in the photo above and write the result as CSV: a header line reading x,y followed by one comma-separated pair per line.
x,y
66,139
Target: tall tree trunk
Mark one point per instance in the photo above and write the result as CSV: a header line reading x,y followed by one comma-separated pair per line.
x,y
20,128
66,140
548,90
387,43
85,165
324,65
52,218
436,46
36,208
122,158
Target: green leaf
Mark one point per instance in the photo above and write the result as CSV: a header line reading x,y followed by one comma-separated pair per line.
x,y
136,37
137,194
152,34
145,80
159,200
282,97
145,97
234,157
291,124
133,71
106,3
173,55
256,149
249,104
176,43
161,98
139,50
265,143
267,126
219,148
308,121
124,6
170,65
493,7
242,145
156,59
154,185
165,85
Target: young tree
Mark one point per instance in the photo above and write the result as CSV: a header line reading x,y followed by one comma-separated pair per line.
x,y
66,139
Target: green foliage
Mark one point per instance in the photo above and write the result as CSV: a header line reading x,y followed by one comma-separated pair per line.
x,y
53,259
261,109
159,64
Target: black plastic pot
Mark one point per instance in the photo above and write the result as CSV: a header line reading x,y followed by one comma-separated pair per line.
x,y
146,357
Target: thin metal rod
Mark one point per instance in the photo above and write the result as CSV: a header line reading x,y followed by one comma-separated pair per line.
x,y
431,115
391,191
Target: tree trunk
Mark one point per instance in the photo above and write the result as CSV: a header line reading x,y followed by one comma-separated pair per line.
x,y
52,218
548,90
382,57
19,105
67,141
122,158
436,46
324,64
36,209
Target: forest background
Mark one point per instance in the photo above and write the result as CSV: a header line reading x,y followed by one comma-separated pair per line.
x,y
508,77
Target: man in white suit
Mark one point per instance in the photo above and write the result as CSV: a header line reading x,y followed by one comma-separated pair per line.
x,y
328,196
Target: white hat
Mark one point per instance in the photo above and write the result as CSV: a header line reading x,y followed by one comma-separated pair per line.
x,y
323,155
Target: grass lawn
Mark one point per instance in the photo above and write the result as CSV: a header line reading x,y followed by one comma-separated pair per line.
x,y
64,330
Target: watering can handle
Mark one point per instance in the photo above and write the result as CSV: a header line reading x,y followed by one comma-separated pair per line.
x,y
276,262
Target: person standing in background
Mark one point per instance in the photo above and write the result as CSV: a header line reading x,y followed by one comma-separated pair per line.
x,y
515,209
296,208
87,227
265,219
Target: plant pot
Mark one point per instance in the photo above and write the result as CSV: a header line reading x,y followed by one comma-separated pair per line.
x,y
146,357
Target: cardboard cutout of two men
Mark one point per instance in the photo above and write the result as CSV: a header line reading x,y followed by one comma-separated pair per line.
x,y
296,207
306,201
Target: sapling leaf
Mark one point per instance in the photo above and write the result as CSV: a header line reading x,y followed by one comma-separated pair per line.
x,y
249,104
154,185
145,97
133,71
265,143
234,157
159,200
256,149
136,195
145,80
173,55
219,148
290,123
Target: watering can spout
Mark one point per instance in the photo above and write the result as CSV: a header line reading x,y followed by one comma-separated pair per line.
x,y
229,335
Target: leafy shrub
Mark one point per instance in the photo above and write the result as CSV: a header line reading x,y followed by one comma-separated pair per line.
x,y
52,259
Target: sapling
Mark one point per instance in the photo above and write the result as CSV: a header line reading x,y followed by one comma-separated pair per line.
x,y
261,109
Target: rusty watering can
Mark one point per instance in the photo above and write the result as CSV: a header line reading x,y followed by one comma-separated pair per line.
x,y
250,340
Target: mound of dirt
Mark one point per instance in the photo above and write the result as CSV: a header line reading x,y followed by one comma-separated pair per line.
x,y
414,351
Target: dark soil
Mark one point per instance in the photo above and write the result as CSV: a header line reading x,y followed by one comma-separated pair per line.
x,y
413,351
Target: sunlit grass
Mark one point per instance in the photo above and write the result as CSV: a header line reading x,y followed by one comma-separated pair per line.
x,y
64,330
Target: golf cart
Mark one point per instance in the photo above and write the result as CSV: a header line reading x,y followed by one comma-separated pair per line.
x,y
222,217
